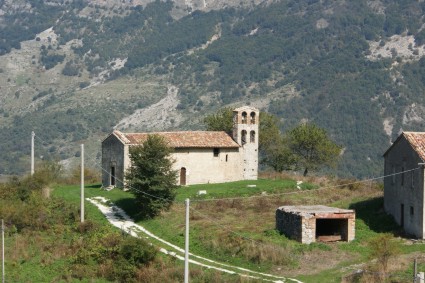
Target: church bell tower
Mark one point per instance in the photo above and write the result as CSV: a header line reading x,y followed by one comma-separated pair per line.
x,y
245,133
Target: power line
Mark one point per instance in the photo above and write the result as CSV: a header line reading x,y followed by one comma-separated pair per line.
x,y
256,196
305,191
215,222
269,195
210,219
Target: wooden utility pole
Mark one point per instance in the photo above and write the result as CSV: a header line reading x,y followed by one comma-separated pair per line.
x,y
82,183
32,152
186,254
2,251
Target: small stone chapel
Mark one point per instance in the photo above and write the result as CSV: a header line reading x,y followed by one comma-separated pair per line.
x,y
200,156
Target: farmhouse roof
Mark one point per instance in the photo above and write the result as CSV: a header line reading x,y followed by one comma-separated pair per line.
x,y
187,139
416,141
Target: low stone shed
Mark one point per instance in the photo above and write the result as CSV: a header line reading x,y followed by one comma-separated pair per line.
x,y
308,224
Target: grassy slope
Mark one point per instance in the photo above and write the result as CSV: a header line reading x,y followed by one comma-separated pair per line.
x,y
41,256
220,228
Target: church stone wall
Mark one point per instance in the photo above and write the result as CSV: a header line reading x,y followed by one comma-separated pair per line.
x,y
113,155
203,167
246,134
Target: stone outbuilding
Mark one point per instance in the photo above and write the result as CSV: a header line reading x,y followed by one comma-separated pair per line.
x,y
200,156
316,223
404,196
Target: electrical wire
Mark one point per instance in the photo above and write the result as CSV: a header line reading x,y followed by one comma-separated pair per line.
x,y
93,160
261,195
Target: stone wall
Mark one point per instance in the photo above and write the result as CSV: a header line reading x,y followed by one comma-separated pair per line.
x,y
203,167
289,224
351,229
404,192
306,224
308,230
113,155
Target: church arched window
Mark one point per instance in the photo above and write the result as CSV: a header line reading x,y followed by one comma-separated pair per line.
x,y
243,137
244,117
252,136
252,115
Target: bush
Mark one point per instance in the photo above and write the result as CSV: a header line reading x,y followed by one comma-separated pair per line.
x,y
137,251
383,247
91,176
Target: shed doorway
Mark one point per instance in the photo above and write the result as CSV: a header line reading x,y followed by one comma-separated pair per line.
x,y
331,230
183,176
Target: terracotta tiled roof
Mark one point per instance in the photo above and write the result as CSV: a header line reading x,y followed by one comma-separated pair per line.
x,y
417,141
245,108
190,139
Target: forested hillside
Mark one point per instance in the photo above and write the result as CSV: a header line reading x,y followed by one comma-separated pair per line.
x,y
355,68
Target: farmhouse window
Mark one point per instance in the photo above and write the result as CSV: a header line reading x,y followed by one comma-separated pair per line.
x,y
216,152
227,157
412,211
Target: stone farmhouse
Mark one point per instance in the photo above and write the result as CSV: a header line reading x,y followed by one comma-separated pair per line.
x,y
404,189
200,156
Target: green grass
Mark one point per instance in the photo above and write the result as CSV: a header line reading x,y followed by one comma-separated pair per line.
x,y
212,221
174,233
238,189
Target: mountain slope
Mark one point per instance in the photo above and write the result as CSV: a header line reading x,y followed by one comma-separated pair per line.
x,y
353,67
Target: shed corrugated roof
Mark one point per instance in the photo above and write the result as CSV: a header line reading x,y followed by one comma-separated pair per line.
x,y
189,139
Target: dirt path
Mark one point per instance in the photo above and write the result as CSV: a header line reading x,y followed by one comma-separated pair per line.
x,y
117,217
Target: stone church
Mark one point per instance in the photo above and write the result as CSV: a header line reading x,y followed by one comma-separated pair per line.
x,y
200,157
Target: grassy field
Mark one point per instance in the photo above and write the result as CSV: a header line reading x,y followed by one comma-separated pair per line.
x,y
234,223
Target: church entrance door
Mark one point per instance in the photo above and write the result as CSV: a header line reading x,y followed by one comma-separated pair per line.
x,y
182,176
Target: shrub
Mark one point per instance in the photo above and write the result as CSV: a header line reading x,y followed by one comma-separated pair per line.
x,y
383,247
137,251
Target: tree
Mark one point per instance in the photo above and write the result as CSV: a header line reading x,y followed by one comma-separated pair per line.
x,y
273,151
279,157
151,177
312,147
222,120
383,247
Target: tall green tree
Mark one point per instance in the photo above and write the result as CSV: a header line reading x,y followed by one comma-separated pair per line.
x,y
222,120
151,177
312,147
273,151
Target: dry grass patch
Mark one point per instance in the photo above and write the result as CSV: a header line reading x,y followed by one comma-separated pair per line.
x,y
244,228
